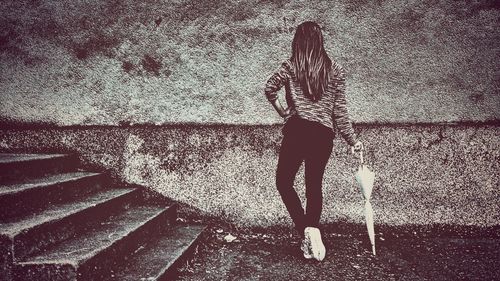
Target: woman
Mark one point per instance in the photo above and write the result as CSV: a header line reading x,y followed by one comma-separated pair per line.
x,y
316,106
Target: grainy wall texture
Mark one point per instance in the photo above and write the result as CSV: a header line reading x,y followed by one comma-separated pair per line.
x,y
169,95
160,62
425,174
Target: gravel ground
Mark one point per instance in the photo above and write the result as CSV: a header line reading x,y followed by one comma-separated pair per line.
x,y
401,255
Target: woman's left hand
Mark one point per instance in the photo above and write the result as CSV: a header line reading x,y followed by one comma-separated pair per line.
x,y
357,147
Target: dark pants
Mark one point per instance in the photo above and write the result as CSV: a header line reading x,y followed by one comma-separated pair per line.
x,y
311,143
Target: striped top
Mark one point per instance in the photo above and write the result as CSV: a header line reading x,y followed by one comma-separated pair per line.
x,y
330,110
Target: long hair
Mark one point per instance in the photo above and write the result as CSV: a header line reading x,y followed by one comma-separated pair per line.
x,y
310,60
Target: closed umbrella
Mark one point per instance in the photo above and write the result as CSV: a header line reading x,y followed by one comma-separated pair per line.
x,y
365,178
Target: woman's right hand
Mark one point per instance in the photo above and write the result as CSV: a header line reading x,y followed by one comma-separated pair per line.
x,y
289,112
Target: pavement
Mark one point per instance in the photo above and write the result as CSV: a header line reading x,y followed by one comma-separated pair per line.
x,y
412,255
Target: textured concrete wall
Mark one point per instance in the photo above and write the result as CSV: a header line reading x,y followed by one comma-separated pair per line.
x,y
89,62
162,62
425,174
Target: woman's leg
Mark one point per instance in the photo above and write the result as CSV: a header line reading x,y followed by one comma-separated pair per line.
x,y
315,163
290,159
317,157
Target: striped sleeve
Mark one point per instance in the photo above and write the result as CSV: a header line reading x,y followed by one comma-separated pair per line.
x,y
340,113
276,81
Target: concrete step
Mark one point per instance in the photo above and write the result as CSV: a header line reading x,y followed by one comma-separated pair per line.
x,y
62,221
88,254
158,258
18,200
19,166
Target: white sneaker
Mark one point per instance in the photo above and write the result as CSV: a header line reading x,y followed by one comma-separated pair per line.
x,y
306,248
317,248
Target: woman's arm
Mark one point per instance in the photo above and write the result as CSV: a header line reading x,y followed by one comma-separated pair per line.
x,y
273,85
279,108
341,115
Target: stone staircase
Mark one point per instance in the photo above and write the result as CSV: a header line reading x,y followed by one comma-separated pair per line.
x,y
59,223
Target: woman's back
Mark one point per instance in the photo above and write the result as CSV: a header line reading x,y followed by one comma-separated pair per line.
x,y
330,110
320,111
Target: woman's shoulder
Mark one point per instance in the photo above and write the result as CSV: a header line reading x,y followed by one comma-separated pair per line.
x,y
287,66
337,69
287,63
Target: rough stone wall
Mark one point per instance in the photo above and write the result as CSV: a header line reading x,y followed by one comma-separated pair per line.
x,y
88,62
437,174
119,62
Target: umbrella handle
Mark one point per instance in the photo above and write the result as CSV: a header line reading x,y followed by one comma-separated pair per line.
x,y
361,157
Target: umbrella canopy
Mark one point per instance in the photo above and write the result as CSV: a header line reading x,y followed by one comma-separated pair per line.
x,y
366,178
